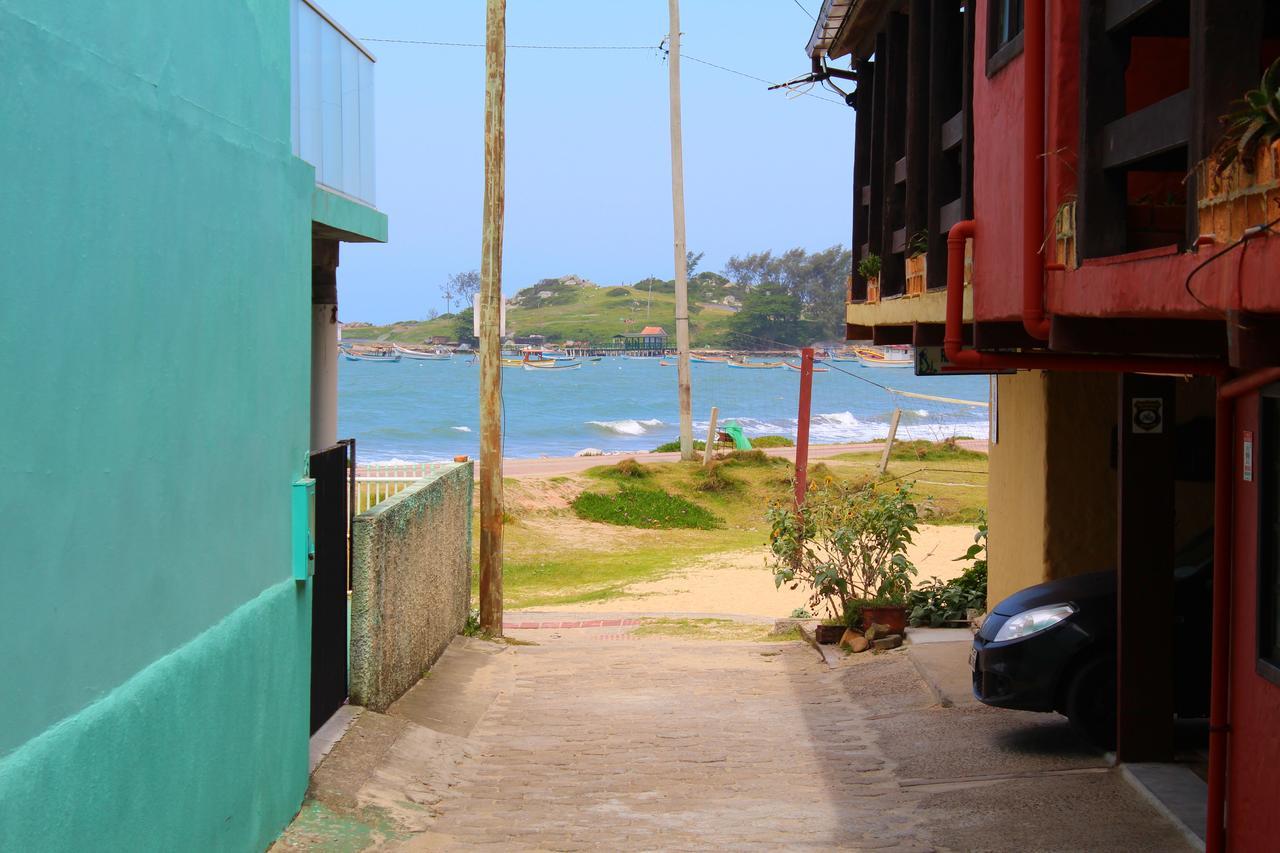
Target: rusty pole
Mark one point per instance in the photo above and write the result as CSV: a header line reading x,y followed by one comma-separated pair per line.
x,y
490,305
677,206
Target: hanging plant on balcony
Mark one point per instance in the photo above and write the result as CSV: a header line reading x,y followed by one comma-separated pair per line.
x,y
1253,123
869,267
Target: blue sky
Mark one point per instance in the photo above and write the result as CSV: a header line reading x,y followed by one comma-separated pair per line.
x,y
588,156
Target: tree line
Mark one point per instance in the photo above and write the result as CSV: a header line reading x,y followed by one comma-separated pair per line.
x,y
792,298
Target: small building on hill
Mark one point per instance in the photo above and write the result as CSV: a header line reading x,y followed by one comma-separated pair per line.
x,y
651,340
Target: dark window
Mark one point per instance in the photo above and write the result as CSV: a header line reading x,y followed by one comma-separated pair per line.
x,y
1004,33
1268,476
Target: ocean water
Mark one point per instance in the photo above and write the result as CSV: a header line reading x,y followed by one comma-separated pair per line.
x,y
429,410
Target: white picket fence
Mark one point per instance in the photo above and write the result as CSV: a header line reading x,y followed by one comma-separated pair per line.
x,y
377,481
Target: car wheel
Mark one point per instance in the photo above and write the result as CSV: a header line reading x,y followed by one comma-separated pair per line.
x,y
1091,702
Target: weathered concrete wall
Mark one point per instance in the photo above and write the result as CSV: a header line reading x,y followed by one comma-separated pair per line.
x,y
411,584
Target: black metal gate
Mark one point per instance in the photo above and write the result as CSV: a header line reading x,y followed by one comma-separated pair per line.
x,y
332,470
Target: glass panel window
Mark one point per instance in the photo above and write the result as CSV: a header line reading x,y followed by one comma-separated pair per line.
x,y
1005,23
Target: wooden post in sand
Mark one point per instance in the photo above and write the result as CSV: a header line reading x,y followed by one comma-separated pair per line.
x,y
490,306
677,205
888,442
709,450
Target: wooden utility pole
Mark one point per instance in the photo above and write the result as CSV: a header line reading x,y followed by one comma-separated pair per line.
x,y
802,425
490,305
677,205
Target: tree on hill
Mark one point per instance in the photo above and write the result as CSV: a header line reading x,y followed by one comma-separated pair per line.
x,y
462,286
816,279
462,325
770,314
691,262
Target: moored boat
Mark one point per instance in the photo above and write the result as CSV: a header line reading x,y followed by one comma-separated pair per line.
x,y
755,365
552,365
816,369
387,356
419,355
707,359
868,357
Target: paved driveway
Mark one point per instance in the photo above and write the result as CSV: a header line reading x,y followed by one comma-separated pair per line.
x,y
596,739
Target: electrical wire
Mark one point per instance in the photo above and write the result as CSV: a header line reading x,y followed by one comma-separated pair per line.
x,y
514,46
806,11
660,48
1248,235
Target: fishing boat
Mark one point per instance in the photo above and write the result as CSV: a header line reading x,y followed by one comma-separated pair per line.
x,y
868,357
595,358
664,364
816,369
419,355
381,356
755,365
707,359
520,362
552,365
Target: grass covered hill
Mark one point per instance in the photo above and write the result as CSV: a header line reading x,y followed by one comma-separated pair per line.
x,y
570,308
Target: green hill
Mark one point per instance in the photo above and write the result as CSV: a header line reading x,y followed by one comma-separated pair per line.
x,y
570,308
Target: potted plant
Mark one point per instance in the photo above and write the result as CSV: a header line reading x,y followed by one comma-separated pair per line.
x,y
917,266
869,269
848,548
1239,184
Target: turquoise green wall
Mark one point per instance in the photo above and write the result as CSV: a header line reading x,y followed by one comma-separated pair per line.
x,y
155,327
342,218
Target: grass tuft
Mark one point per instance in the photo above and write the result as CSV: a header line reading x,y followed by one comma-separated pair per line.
x,y
649,508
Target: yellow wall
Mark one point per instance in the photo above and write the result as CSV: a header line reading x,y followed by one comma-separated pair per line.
x,y
1016,514
1081,482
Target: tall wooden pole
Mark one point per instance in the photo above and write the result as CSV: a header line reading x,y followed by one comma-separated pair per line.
x,y
802,425
677,205
490,305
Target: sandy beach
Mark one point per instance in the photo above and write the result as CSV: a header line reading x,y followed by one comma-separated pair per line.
x,y
738,583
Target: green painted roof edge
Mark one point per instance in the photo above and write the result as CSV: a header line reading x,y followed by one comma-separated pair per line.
x,y
344,218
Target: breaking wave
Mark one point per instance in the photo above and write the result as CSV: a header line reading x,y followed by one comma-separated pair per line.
x,y
627,427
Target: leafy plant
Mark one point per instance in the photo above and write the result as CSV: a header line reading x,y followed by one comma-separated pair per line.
x,y
847,546
801,613
918,244
772,441
471,628
1254,122
869,267
674,446
934,603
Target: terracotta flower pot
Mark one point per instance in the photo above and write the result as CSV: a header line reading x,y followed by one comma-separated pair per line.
x,y
893,616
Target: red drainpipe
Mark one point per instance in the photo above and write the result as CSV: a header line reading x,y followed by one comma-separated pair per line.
x,y
1033,170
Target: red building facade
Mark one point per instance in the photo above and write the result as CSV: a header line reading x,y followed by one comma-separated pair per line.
x,y
1037,184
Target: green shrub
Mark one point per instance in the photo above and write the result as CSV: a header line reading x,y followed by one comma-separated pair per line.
x,y
650,508
617,291
674,446
935,603
629,468
712,479
748,457
933,451
772,441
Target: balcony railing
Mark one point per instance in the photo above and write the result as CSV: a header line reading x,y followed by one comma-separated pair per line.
x,y
332,102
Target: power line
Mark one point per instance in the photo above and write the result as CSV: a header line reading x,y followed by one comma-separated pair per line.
x,y
759,79
660,48
806,11
516,46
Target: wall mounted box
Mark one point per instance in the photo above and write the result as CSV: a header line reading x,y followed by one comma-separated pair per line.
x,y
303,527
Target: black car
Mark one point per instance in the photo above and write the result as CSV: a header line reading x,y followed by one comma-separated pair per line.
x,y
1052,647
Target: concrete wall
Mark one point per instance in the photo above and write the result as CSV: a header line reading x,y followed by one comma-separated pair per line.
x,y
411,584
155,285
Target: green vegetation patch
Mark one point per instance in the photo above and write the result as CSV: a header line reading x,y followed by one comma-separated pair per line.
x,y
648,508
772,441
933,451
674,446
